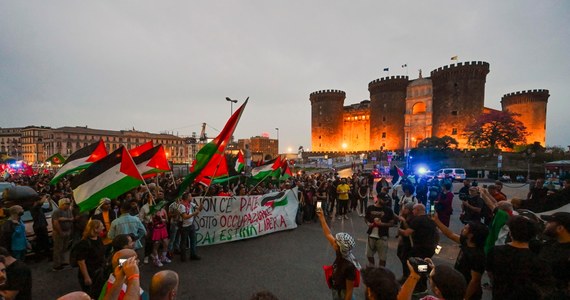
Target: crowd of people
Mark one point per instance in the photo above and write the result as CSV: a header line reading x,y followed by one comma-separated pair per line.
x,y
526,256
151,224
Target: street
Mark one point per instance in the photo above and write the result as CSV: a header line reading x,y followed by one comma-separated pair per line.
x,y
289,264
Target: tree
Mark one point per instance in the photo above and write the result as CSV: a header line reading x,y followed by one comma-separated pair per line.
x,y
443,143
496,129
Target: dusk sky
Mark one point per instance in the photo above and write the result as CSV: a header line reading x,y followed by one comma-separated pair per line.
x,y
169,65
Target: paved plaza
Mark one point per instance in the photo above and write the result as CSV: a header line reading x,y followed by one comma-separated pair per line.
x,y
289,264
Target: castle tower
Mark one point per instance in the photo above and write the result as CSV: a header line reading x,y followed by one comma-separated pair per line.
x,y
387,108
458,98
531,105
327,108
418,119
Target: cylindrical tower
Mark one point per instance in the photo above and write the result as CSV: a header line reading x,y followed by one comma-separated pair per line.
x,y
327,108
531,105
387,109
458,98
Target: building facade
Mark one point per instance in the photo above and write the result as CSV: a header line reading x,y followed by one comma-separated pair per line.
x,y
34,144
402,112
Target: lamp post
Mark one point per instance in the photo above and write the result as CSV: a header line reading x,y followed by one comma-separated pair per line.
x,y
231,105
277,129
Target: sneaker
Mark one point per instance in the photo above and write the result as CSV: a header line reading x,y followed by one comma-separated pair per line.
x,y
145,260
165,259
346,217
157,262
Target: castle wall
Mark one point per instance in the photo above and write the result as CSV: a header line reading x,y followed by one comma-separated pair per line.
x,y
458,98
531,105
327,109
356,130
387,109
418,118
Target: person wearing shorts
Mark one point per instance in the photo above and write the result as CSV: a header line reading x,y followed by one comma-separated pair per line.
x,y
379,219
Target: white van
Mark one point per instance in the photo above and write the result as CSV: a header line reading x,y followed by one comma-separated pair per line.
x,y
453,173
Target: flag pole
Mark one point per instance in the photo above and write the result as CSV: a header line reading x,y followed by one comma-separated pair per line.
x,y
215,171
173,181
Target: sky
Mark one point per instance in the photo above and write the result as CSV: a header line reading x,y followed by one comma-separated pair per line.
x,y
167,66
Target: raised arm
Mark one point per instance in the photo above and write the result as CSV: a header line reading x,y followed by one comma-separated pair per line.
x,y
445,230
326,229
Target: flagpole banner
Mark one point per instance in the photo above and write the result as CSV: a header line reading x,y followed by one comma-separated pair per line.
x,y
228,219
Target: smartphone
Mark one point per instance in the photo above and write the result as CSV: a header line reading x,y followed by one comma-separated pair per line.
x,y
319,203
437,249
422,268
122,261
432,209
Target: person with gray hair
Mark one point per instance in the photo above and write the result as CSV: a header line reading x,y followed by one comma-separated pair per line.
x,y
164,285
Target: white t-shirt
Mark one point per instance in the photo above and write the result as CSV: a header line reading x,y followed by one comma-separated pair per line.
x,y
187,210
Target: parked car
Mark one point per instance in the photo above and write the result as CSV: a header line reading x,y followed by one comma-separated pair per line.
x,y
25,196
451,173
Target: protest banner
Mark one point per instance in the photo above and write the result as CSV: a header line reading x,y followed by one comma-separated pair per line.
x,y
226,219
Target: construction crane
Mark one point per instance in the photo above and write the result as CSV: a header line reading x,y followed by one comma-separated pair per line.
x,y
203,136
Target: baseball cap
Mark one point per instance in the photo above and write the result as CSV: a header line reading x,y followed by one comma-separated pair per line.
x,y
562,218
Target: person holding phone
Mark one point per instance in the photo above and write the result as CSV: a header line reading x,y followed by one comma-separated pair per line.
x,y
444,281
379,219
345,265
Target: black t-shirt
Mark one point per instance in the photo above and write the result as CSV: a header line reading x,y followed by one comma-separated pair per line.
x,y
19,279
424,232
343,270
471,215
470,259
515,269
384,213
93,252
557,256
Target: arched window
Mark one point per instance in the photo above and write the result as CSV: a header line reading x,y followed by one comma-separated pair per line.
x,y
419,108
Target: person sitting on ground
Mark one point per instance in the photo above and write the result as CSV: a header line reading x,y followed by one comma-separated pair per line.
x,y
164,285
381,284
444,281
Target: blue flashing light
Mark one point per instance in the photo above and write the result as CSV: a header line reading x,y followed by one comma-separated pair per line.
x,y
422,170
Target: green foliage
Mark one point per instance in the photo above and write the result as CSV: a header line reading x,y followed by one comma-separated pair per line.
x,y
496,129
443,143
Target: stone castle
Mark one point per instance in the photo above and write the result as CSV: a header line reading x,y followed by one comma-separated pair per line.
x,y
402,112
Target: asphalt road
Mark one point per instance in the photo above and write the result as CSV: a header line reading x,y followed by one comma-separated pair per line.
x,y
289,264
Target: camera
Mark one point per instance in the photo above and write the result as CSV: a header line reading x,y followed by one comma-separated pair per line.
x,y
420,266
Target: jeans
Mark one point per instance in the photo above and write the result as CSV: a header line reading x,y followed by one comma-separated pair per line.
x,y
174,235
188,233
342,207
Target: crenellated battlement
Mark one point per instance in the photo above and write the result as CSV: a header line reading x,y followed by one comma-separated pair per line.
x,y
332,92
462,66
537,92
389,79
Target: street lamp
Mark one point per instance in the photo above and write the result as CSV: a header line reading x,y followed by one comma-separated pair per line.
x,y
231,105
277,129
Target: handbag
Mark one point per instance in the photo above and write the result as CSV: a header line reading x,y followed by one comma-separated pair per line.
x,y
329,272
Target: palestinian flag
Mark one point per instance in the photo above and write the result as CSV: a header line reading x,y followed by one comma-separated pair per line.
x,y
81,159
152,161
274,199
56,159
265,170
240,162
216,146
217,168
109,177
285,170
140,149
